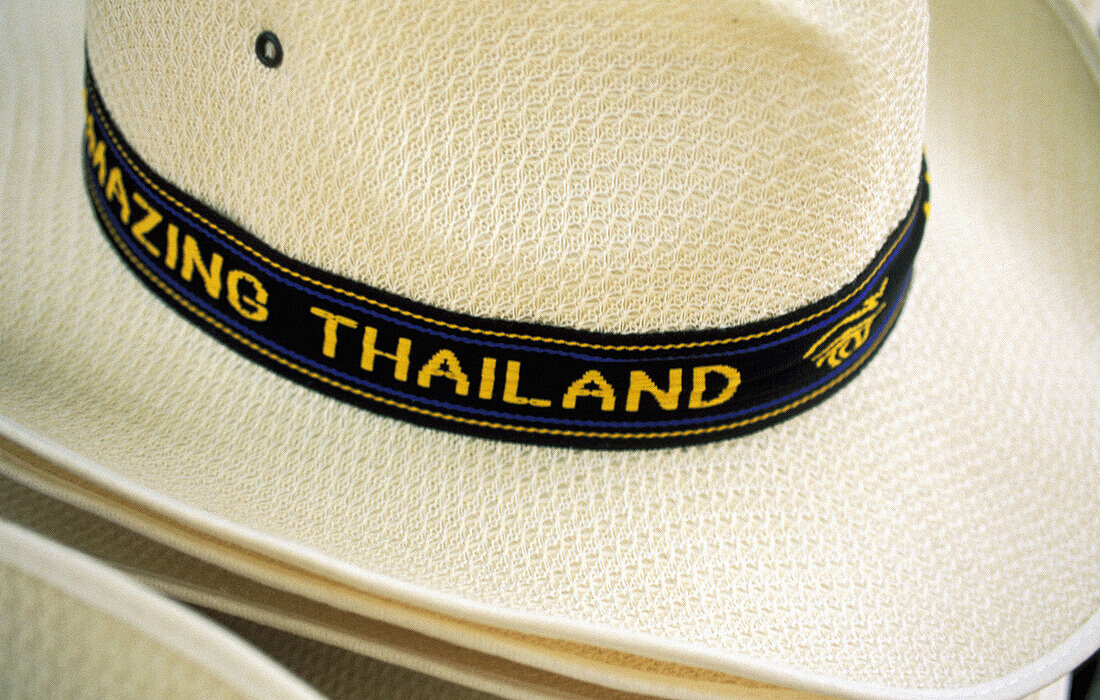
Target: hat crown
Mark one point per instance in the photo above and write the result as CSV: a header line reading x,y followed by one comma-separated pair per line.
x,y
617,166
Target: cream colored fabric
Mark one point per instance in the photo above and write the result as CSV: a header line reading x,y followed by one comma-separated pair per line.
x,y
56,646
72,628
334,668
1055,691
341,674
61,628
627,166
507,663
930,527
1091,10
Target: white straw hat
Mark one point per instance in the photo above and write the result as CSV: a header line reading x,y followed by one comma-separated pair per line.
x,y
73,627
339,652
546,318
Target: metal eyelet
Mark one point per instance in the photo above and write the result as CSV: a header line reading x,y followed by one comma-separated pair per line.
x,y
268,49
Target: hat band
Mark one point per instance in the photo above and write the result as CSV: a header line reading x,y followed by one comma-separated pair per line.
x,y
485,377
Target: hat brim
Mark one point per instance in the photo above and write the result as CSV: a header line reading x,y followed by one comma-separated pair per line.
x,y
356,621
73,623
933,530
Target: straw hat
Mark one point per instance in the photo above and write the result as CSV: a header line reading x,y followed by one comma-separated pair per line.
x,y
73,627
582,322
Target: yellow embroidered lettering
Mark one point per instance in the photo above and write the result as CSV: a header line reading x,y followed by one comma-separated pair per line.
x,y
488,378
148,223
401,357
667,399
511,388
89,133
444,364
699,385
171,255
580,388
256,304
99,161
117,193
332,322
192,260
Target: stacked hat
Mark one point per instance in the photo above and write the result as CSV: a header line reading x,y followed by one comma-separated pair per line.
x,y
735,349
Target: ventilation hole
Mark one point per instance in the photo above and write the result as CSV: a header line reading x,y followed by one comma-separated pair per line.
x,y
269,50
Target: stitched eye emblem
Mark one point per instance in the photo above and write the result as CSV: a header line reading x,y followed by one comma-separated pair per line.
x,y
268,49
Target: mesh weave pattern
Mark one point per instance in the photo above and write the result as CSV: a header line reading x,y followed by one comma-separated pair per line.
x,y
928,526
53,645
587,164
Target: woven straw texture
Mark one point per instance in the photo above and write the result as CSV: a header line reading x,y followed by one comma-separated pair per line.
x,y
344,675
64,633
933,525
565,162
335,671
341,635
52,645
